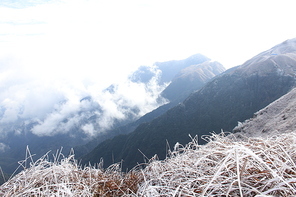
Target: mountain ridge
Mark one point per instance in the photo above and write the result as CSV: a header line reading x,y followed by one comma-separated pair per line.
x,y
175,92
189,78
233,96
14,146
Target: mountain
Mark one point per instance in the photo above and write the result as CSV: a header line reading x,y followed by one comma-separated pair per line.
x,y
190,78
276,118
168,69
15,147
259,167
21,135
233,96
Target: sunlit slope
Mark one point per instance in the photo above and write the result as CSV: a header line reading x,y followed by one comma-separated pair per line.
x,y
276,118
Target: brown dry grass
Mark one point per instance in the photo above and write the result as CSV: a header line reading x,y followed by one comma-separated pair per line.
x,y
67,178
225,166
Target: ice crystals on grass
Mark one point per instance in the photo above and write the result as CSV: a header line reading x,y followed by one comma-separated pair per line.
x,y
225,166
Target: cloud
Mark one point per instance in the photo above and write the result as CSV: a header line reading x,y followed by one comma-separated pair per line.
x,y
102,109
55,53
53,105
89,130
3,147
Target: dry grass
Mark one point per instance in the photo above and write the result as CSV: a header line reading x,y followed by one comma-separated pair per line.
x,y
225,166
64,177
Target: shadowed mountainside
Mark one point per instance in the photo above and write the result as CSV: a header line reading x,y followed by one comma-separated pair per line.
x,y
191,78
230,97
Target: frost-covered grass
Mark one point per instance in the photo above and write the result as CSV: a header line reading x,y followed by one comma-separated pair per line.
x,y
64,177
225,166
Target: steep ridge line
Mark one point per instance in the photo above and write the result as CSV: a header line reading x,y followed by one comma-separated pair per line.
x,y
233,96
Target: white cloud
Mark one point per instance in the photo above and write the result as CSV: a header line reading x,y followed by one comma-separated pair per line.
x,y
130,33
89,130
54,53
3,147
63,107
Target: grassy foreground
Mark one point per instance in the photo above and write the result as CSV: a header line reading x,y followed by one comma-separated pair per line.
x,y
225,166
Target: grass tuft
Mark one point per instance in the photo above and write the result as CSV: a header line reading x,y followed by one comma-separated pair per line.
x,y
64,177
225,166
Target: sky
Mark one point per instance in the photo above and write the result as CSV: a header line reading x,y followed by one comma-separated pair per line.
x,y
53,53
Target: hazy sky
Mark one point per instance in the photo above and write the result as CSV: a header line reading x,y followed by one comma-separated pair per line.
x,y
52,50
64,34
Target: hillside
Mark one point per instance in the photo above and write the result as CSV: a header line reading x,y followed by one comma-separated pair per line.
x,y
195,74
258,159
234,165
168,69
276,118
231,97
237,164
83,125
191,79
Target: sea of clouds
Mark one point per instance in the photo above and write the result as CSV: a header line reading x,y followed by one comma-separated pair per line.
x,y
47,105
58,58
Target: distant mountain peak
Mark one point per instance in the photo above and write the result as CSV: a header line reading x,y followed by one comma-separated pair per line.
x,y
191,78
280,59
211,67
287,46
168,69
196,57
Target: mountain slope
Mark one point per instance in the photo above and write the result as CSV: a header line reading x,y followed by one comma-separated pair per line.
x,y
231,97
90,114
168,69
189,79
277,117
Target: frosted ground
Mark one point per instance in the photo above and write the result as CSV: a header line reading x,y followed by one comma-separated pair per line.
x,y
224,166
